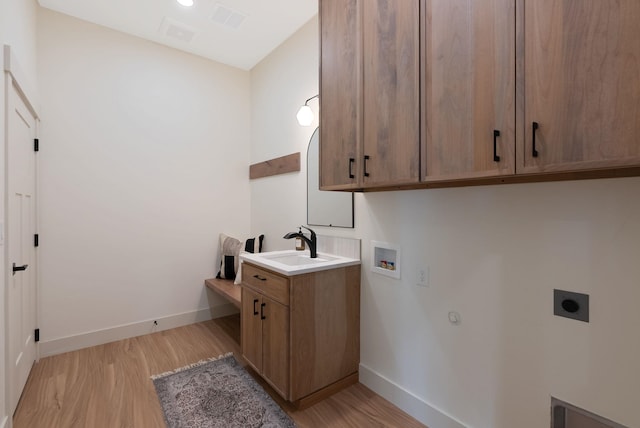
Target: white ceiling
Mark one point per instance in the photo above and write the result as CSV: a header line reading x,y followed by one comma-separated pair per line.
x,y
266,25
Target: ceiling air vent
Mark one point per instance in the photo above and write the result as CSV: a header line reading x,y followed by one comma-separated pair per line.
x,y
177,30
223,15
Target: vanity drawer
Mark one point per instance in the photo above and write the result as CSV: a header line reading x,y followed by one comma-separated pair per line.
x,y
265,282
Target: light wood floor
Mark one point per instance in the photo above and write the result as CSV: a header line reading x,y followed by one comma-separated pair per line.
x,y
109,386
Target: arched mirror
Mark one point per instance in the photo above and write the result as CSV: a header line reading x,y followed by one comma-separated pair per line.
x,y
324,208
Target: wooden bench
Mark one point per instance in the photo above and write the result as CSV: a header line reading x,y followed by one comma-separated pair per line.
x,y
227,289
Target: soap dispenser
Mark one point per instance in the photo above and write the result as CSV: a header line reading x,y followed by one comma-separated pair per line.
x,y
300,244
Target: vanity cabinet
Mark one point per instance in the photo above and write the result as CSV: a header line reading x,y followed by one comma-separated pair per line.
x,y
369,93
581,74
301,333
265,338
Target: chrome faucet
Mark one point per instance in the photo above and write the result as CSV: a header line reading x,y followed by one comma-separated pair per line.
x,y
311,242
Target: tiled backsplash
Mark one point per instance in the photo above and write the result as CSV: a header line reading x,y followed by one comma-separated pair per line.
x,y
345,247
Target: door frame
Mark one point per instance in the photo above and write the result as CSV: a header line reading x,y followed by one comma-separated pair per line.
x,y
14,77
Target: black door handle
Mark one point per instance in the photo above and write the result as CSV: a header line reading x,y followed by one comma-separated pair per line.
x,y
258,277
534,128
255,311
262,317
19,268
351,162
366,158
496,134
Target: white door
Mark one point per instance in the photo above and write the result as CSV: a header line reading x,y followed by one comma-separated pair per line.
x,y
21,227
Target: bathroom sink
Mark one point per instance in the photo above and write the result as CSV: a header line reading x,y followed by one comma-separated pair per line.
x,y
291,262
297,259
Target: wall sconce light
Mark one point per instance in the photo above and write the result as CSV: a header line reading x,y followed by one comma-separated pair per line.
x,y
305,114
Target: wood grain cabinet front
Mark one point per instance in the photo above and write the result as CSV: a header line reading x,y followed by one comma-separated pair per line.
x,y
581,80
433,93
570,71
369,93
265,338
469,89
541,90
309,346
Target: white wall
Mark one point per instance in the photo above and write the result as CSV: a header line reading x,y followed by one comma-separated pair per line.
x,y
495,254
280,84
144,161
18,30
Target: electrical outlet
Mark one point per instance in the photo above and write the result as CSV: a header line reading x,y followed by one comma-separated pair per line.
x,y
422,277
571,305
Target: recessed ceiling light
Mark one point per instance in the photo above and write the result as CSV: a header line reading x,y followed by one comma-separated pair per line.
x,y
187,3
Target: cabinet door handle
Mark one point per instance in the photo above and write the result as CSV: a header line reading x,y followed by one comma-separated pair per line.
x,y
262,317
366,158
496,134
261,278
255,311
534,128
351,162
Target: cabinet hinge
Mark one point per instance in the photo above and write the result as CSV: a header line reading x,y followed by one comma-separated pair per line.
x,y
36,240
37,334
36,145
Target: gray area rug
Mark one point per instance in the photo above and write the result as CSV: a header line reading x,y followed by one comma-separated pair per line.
x,y
216,393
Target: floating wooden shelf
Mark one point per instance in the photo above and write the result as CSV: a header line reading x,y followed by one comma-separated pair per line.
x,y
281,165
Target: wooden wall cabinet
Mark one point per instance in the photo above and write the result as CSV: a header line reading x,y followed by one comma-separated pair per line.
x,y
369,93
580,85
509,91
302,333
469,89
572,78
340,94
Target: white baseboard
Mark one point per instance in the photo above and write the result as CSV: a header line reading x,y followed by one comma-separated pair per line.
x,y
99,337
406,401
